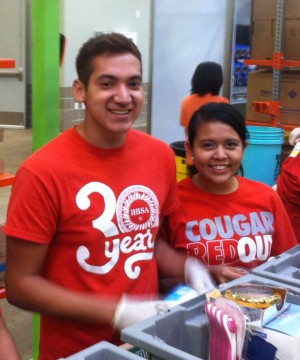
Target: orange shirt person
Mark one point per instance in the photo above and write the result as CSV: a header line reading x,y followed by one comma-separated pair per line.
x,y
206,83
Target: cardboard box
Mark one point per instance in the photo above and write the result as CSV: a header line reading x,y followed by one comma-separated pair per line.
x,y
260,84
267,9
264,26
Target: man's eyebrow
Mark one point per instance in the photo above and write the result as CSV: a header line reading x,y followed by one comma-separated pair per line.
x,y
113,77
106,76
136,77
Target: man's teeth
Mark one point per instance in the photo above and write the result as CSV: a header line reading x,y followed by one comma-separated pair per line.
x,y
120,112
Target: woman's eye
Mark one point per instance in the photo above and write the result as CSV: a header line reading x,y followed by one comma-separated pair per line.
x,y
232,144
207,145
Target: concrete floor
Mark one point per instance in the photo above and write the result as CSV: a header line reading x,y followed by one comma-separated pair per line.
x,y
15,147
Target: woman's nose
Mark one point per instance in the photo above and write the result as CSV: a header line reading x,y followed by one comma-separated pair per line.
x,y
220,152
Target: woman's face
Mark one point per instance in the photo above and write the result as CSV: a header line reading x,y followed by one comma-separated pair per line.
x,y
217,151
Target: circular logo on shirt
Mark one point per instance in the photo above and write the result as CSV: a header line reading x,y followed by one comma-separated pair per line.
x,y
137,209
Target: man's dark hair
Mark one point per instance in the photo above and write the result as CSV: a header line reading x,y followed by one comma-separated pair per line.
x,y
105,44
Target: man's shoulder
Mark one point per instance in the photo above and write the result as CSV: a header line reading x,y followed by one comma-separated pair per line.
x,y
138,135
51,149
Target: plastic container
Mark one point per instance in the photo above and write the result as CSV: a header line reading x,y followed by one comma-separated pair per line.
x,y
182,169
284,268
262,158
183,333
103,351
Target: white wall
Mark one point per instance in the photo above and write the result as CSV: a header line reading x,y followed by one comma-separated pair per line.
x,y
186,32
80,20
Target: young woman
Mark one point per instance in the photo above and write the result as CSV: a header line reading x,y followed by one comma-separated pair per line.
x,y
231,223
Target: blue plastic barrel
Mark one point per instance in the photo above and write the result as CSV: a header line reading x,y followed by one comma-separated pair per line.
x,y
262,158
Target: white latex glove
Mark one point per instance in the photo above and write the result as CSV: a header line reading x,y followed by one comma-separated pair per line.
x,y
294,136
131,311
197,276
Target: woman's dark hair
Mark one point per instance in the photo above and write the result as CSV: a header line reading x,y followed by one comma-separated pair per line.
x,y
223,112
105,44
207,78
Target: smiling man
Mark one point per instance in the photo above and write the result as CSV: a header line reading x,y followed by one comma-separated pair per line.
x,y
85,209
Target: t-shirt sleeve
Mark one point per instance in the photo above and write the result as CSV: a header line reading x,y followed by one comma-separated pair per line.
x,y
288,188
32,212
284,237
173,229
183,115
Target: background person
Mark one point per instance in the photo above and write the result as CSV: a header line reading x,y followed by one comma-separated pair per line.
x,y
206,84
85,210
231,222
294,136
8,349
288,182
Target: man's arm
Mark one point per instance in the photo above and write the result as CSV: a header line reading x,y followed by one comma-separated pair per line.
x,y
170,262
28,289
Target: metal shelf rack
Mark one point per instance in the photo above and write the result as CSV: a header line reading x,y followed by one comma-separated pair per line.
x,y
278,62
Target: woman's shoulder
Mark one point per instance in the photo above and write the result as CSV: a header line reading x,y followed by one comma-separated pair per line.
x,y
255,186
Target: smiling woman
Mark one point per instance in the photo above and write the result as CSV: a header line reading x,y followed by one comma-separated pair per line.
x,y
230,222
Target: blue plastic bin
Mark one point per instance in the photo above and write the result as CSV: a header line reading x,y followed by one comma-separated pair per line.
x,y
262,158
183,333
104,351
284,268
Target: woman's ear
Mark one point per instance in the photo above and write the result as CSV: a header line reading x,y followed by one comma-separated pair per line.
x,y
245,144
78,90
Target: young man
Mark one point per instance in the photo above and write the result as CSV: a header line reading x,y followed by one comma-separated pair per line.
x,y
85,210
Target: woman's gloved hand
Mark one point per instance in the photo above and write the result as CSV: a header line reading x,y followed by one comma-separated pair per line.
x,y
132,310
197,276
294,136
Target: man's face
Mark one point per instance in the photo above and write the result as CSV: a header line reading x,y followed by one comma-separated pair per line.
x,y
114,95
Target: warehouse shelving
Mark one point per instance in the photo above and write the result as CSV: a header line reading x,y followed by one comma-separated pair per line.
x,y
7,179
273,107
7,63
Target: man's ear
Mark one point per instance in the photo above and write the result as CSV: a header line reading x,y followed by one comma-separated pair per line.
x,y
78,90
